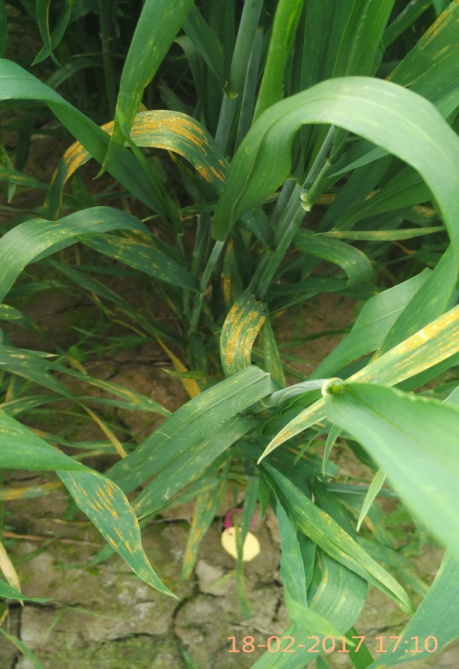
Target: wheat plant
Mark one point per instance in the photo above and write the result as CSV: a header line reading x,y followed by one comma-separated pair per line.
x,y
310,138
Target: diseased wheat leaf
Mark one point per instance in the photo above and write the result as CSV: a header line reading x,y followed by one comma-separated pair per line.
x,y
240,329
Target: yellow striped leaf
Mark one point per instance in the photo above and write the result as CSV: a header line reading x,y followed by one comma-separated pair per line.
x,y
240,329
159,129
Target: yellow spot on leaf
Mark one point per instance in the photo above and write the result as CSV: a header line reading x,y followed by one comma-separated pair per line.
x,y
219,175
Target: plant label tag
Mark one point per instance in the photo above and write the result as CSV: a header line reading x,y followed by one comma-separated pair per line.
x,y
250,549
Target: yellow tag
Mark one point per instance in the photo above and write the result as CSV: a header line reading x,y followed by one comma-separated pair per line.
x,y
250,549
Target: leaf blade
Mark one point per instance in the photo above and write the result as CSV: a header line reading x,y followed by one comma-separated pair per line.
x,y
240,329
379,111
157,27
109,510
414,439
336,542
